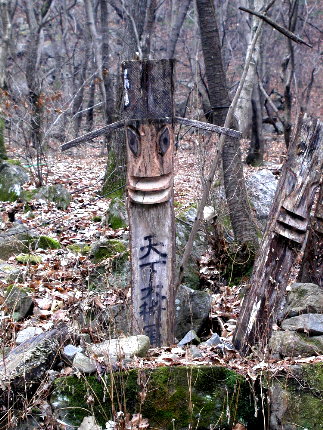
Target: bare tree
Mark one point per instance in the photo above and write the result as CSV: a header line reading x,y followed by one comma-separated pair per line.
x,y
5,25
243,111
240,214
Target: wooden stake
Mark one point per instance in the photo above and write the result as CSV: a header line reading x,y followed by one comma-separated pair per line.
x,y
285,234
148,99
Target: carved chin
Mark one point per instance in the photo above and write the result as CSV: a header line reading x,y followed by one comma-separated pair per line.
x,y
149,191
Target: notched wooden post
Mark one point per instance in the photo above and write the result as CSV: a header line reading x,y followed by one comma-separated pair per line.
x,y
148,101
285,235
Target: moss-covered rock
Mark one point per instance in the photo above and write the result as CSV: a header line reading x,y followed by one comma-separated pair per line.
x,y
292,344
18,302
115,176
12,177
11,272
55,193
171,398
46,242
16,240
117,216
296,399
79,248
28,259
107,248
97,218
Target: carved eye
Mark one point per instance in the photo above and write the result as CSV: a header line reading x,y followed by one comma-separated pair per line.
x,y
164,141
133,142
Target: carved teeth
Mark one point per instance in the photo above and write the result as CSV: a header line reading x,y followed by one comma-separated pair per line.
x,y
156,183
150,198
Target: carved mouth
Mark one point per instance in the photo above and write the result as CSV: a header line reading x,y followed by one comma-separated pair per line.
x,y
151,190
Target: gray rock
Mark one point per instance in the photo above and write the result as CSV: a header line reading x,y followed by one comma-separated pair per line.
x,y
55,193
292,344
16,240
195,352
192,310
89,423
26,365
190,337
117,216
84,364
27,334
11,273
70,351
214,340
294,398
184,223
304,298
117,319
126,347
308,323
12,177
261,187
17,302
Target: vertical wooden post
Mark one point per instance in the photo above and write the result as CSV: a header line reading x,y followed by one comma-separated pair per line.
x,y
284,237
148,112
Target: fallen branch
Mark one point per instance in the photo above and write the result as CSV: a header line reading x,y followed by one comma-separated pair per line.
x,y
276,26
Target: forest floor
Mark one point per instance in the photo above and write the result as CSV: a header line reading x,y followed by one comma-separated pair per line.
x,y
58,284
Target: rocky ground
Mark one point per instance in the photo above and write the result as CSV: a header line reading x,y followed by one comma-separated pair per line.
x,y
64,281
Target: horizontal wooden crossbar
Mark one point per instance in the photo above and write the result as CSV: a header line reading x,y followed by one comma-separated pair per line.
x,y
119,124
208,127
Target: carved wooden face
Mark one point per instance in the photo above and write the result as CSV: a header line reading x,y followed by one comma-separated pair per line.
x,y
150,163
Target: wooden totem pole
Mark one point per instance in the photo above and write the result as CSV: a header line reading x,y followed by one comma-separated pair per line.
x,y
148,112
284,237
148,119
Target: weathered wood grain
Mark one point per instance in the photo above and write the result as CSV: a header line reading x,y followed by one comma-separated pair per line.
x,y
285,234
148,100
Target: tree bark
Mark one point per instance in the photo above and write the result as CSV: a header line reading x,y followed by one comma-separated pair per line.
x,y
105,52
97,51
240,214
243,111
177,23
4,49
256,150
283,239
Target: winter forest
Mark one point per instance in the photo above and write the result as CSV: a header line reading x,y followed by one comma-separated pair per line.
x,y
161,230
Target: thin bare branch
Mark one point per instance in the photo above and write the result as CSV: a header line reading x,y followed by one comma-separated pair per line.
x,y
276,26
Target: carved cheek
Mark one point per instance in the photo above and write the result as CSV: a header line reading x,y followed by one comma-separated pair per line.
x,y
133,140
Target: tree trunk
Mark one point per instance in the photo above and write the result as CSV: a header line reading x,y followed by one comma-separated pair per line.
x,y
90,107
105,52
256,150
312,264
241,218
243,110
97,51
288,67
177,18
4,49
284,237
